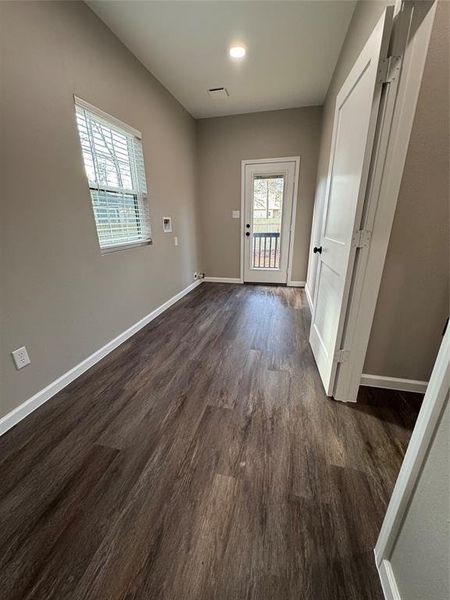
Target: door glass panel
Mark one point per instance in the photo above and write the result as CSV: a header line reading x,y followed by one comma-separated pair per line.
x,y
266,218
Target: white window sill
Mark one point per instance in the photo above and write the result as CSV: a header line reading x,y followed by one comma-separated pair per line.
x,y
119,248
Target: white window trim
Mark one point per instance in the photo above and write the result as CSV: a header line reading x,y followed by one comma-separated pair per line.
x,y
109,119
126,246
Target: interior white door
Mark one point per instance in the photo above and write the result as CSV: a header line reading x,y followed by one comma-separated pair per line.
x,y
353,135
268,202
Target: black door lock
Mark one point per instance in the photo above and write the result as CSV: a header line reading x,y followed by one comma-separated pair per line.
x,y
317,249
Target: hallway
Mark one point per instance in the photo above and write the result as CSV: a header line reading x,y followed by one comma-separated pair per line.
x,y
202,460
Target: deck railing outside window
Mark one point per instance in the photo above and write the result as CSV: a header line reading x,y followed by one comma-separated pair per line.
x,y
266,250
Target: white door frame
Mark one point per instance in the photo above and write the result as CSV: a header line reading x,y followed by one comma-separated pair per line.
x,y
253,161
404,77
428,421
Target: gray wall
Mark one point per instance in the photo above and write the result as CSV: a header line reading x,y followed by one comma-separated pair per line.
x,y
62,298
413,302
222,144
413,299
421,558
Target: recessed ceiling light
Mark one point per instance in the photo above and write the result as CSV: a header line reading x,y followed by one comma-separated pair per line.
x,y
237,51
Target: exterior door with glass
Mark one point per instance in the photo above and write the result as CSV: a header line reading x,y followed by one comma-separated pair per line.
x,y
268,205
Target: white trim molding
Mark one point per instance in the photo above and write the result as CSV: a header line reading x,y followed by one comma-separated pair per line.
x,y
388,581
293,221
106,116
300,284
309,298
394,383
223,279
30,405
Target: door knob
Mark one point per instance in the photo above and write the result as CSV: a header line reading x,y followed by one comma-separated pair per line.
x,y
247,233
317,249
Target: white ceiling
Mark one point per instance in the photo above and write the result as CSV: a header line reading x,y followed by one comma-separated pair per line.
x,y
292,47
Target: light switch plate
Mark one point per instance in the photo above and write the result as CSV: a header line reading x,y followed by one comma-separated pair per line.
x,y
21,357
236,214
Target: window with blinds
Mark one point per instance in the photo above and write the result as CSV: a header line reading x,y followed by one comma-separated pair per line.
x,y
114,164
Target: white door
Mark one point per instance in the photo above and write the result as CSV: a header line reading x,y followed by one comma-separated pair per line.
x,y
267,220
354,126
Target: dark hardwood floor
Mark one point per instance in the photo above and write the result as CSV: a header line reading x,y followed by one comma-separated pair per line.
x,y
201,460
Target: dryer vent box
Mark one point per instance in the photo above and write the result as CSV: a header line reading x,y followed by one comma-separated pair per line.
x,y
218,93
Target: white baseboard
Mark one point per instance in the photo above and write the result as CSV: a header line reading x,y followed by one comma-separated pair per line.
x,y
224,279
238,280
308,297
27,407
394,383
388,581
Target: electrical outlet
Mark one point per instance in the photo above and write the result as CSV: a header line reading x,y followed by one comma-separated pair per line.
x,y
175,240
235,214
21,357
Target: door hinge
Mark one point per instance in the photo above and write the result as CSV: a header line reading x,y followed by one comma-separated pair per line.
x,y
388,69
341,356
361,238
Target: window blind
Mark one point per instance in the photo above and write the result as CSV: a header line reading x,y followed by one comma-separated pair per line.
x,y
114,164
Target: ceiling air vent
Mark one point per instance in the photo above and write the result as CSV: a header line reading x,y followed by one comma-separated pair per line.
x,y
218,93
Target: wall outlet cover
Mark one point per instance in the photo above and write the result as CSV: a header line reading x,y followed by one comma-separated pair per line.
x,y
21,358
236,214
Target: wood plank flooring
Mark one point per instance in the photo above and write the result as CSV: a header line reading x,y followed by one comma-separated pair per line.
x,y
201,460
